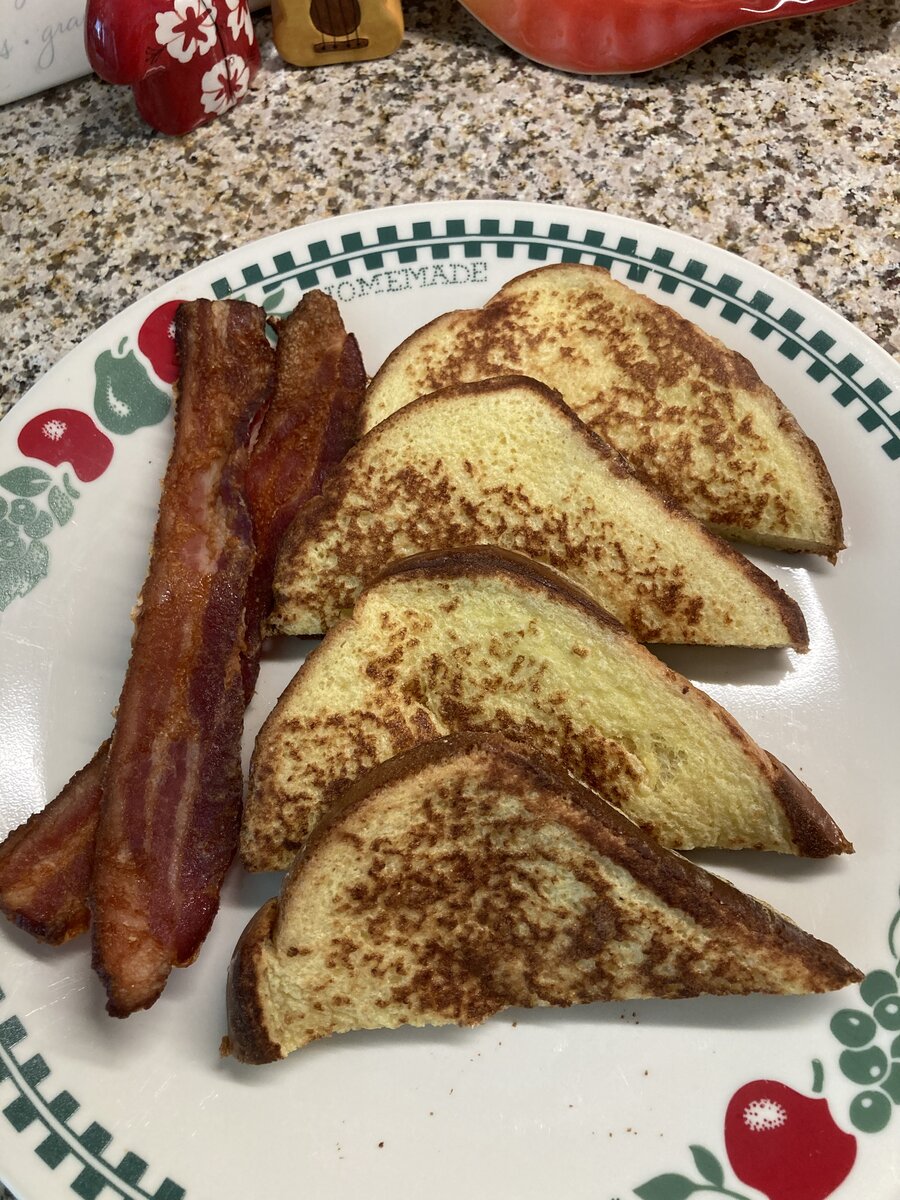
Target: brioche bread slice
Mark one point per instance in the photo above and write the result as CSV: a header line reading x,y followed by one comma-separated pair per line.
x,y
691,414
463,878
483,639
507,463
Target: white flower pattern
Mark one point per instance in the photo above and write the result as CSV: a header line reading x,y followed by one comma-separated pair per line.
x,y
224,84
239,19
187,29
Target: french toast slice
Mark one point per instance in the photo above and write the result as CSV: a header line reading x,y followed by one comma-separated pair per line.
x,y
506,462
463,878
691,414
487,640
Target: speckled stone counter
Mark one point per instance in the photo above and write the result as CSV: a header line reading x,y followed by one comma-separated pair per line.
x,y
779,143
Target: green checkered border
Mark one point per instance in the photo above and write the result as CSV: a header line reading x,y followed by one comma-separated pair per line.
x,y
323,262
97,1176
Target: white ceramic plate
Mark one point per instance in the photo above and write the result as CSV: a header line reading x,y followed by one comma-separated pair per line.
x,y
596,1103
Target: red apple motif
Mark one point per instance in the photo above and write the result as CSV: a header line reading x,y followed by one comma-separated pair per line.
x,y
67,435
785,1144
156,341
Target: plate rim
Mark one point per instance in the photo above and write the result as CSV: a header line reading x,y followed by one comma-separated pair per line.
x,y
812,305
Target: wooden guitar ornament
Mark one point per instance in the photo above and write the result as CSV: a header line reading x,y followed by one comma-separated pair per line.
x,y
316,33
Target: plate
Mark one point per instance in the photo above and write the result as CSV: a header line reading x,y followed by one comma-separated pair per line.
x,y
614,1100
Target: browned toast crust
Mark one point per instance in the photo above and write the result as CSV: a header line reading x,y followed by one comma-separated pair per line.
x,y
453,561
653,603
619,358
502,768
816,833
247,1038
288,792
678,882
812,827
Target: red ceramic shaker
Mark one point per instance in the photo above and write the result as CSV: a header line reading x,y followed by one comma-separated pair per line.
x,y
187,61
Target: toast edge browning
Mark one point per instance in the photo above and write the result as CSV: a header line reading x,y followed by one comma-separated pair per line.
x,y
679,883
787,422
816,833
363,426
247,1038
455,562
788,610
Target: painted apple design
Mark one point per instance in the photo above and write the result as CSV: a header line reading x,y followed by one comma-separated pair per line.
x,y
785,1144
156,340
125,397
65,435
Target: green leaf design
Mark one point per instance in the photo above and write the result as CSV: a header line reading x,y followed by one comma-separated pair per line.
x,y
67,484
25,481
708,1166
39,525
270,304
32,520
12,544
60,505
22,572
666,1187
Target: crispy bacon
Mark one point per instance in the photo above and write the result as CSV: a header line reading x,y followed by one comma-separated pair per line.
x,y
46,864
308,428
171,803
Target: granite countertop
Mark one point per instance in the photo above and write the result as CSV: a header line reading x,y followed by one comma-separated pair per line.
x,y
779,143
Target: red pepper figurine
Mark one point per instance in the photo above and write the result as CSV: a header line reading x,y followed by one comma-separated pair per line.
x,y
187,60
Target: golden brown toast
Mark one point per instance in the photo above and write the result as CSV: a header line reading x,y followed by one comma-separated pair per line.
x,y
507,463
691,414
463,878
482,639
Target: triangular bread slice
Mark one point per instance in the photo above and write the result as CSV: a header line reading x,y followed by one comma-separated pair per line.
x,y
485,639
463,878
691,414
507,463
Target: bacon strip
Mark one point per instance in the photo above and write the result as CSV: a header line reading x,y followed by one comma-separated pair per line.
x,y
172,789
308,428
46,864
